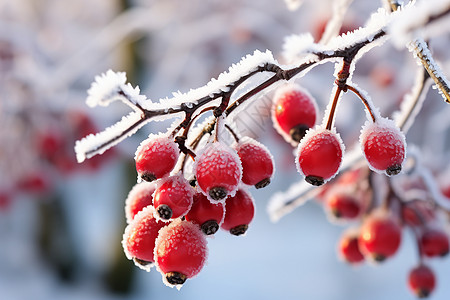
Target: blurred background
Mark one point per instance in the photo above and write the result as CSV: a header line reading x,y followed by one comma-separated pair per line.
x,y
61,223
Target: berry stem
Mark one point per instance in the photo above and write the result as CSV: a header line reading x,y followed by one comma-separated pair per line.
x,y
333,108
341,83
234,134
364,100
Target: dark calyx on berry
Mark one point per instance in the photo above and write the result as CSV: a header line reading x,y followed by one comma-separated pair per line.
x,y
298,132
238,230
379,257
393,170
262,183
193,182
148,177
314,180
218,193
210,227
164,212
141,262
175,278
336,213
423,293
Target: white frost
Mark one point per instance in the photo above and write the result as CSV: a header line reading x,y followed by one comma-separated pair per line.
x,y
91,144
413,21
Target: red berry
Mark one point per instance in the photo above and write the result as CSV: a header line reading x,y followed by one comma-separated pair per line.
x,y
349,248
34,182
218,171
319,155
180,251
421,281
446,191
342,203
295,111
239,212
380,236
49,143
156,157
383,75
416,213
139,238
140,196
173,197
384,146
257,162
434,242
5,200
206,214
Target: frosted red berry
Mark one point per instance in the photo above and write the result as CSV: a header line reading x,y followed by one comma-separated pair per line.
x,y
319,155
218,171
180,252
349,248
257,162
380,236
434,242
384,146
156,157
422,281
343,204
239,212
173,197
206,214
139,238
295,111
140,196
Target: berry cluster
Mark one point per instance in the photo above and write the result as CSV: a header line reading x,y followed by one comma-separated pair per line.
x,y
350,197
177,202
320,149
171,210
49,156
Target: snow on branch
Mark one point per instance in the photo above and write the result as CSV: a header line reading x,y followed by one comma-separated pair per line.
x,y
94,144
422,19
112,86
420,49
346,45
413,101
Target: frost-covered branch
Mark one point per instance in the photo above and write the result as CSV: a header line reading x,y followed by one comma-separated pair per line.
x,y
217,92
420,49
423,19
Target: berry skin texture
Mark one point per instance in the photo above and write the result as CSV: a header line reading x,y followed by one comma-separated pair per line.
x,y
434,243
349,248
139,238
206,214
380,236
239,212
319,155
140,196
257,162
295,111
421,281
173,197
218,171
156,157
180,252
384,146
